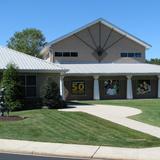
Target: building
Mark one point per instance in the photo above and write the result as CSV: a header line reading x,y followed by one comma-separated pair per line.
x,y
104,62
33,72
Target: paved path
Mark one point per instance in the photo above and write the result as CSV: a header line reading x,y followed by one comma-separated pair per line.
x,y
81,151
29,157
119,115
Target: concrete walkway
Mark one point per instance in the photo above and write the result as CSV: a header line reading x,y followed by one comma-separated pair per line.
x,y
119,115
78,151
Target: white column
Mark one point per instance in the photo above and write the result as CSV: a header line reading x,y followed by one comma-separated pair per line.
x,y
129,87
96,95
61,86
158,86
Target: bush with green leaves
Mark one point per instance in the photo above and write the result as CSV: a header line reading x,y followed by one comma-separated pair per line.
x,y
51,96
10,83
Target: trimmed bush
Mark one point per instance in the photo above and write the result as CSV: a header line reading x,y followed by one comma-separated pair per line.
x,y
51,97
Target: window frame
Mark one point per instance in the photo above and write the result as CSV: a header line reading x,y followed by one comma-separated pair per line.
x,y
25,86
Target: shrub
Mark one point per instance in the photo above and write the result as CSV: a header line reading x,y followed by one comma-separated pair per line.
x,y
51,97
10,84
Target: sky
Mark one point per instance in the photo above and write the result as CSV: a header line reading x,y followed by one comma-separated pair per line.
x,y
58,17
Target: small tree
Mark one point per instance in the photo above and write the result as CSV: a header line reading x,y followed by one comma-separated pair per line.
x,y
51,96
11,87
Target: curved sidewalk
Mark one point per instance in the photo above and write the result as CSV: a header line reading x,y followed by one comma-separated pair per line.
x,y
119,115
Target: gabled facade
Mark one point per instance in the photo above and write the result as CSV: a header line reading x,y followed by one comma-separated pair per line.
x,y
104,62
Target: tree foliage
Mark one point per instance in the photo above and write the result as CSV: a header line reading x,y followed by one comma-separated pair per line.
x,y
154,61
10,84
29,41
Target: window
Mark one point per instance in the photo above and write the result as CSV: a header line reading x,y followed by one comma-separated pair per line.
x,y
74,54
66,54
111,87
58,54
78,87
28,86
136,55
130,54
123,54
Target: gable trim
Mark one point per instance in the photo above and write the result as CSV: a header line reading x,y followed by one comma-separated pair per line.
x,y
106,23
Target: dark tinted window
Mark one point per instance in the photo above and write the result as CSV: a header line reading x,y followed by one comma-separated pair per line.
x,y
66,54
30,91
58,54
123,54
22,80
137,54
74,54
130,54
31,80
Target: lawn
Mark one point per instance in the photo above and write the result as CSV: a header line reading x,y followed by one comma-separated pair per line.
x,y
150,108
70,127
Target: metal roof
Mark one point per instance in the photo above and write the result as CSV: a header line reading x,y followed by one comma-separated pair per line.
x,y
26,62
106,23
112,69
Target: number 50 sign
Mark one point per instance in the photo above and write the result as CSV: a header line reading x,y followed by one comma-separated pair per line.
x,y
78,87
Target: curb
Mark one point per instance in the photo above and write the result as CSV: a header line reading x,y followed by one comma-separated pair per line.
x,y
77,151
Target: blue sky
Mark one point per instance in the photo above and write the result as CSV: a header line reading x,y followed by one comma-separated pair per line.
x,y
58,17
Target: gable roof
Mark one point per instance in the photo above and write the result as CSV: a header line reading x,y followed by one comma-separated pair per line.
x,y
106,23
26,62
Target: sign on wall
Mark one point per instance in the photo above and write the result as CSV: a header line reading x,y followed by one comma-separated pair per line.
x,y
111,87
143,87
78,87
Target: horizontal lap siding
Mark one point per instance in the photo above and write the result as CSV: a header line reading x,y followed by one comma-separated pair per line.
x,y
88,89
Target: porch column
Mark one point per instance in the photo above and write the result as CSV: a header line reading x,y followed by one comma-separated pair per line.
x,y
96,95
129,87
158,86
61,86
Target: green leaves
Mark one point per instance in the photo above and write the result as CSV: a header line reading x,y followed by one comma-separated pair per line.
x,y
11,85
154,61
29,41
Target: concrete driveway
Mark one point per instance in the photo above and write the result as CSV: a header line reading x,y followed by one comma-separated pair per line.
x,y
119,115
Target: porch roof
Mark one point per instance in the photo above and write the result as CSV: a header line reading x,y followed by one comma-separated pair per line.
x,y
112,69
27,63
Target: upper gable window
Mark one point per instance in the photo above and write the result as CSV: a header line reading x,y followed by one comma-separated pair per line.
x,y
130,54
66,54
74,54
135,55
123,54
138,55
58,54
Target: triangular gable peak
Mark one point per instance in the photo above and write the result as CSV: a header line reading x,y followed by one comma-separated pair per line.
x,y
101,24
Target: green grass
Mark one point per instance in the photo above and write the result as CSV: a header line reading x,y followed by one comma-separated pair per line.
x,y
150,108
70,127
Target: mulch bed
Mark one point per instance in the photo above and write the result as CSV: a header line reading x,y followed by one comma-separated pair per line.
x,y
11,118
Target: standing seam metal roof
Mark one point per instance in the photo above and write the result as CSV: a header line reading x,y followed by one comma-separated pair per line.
x,y
26,62
112,69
